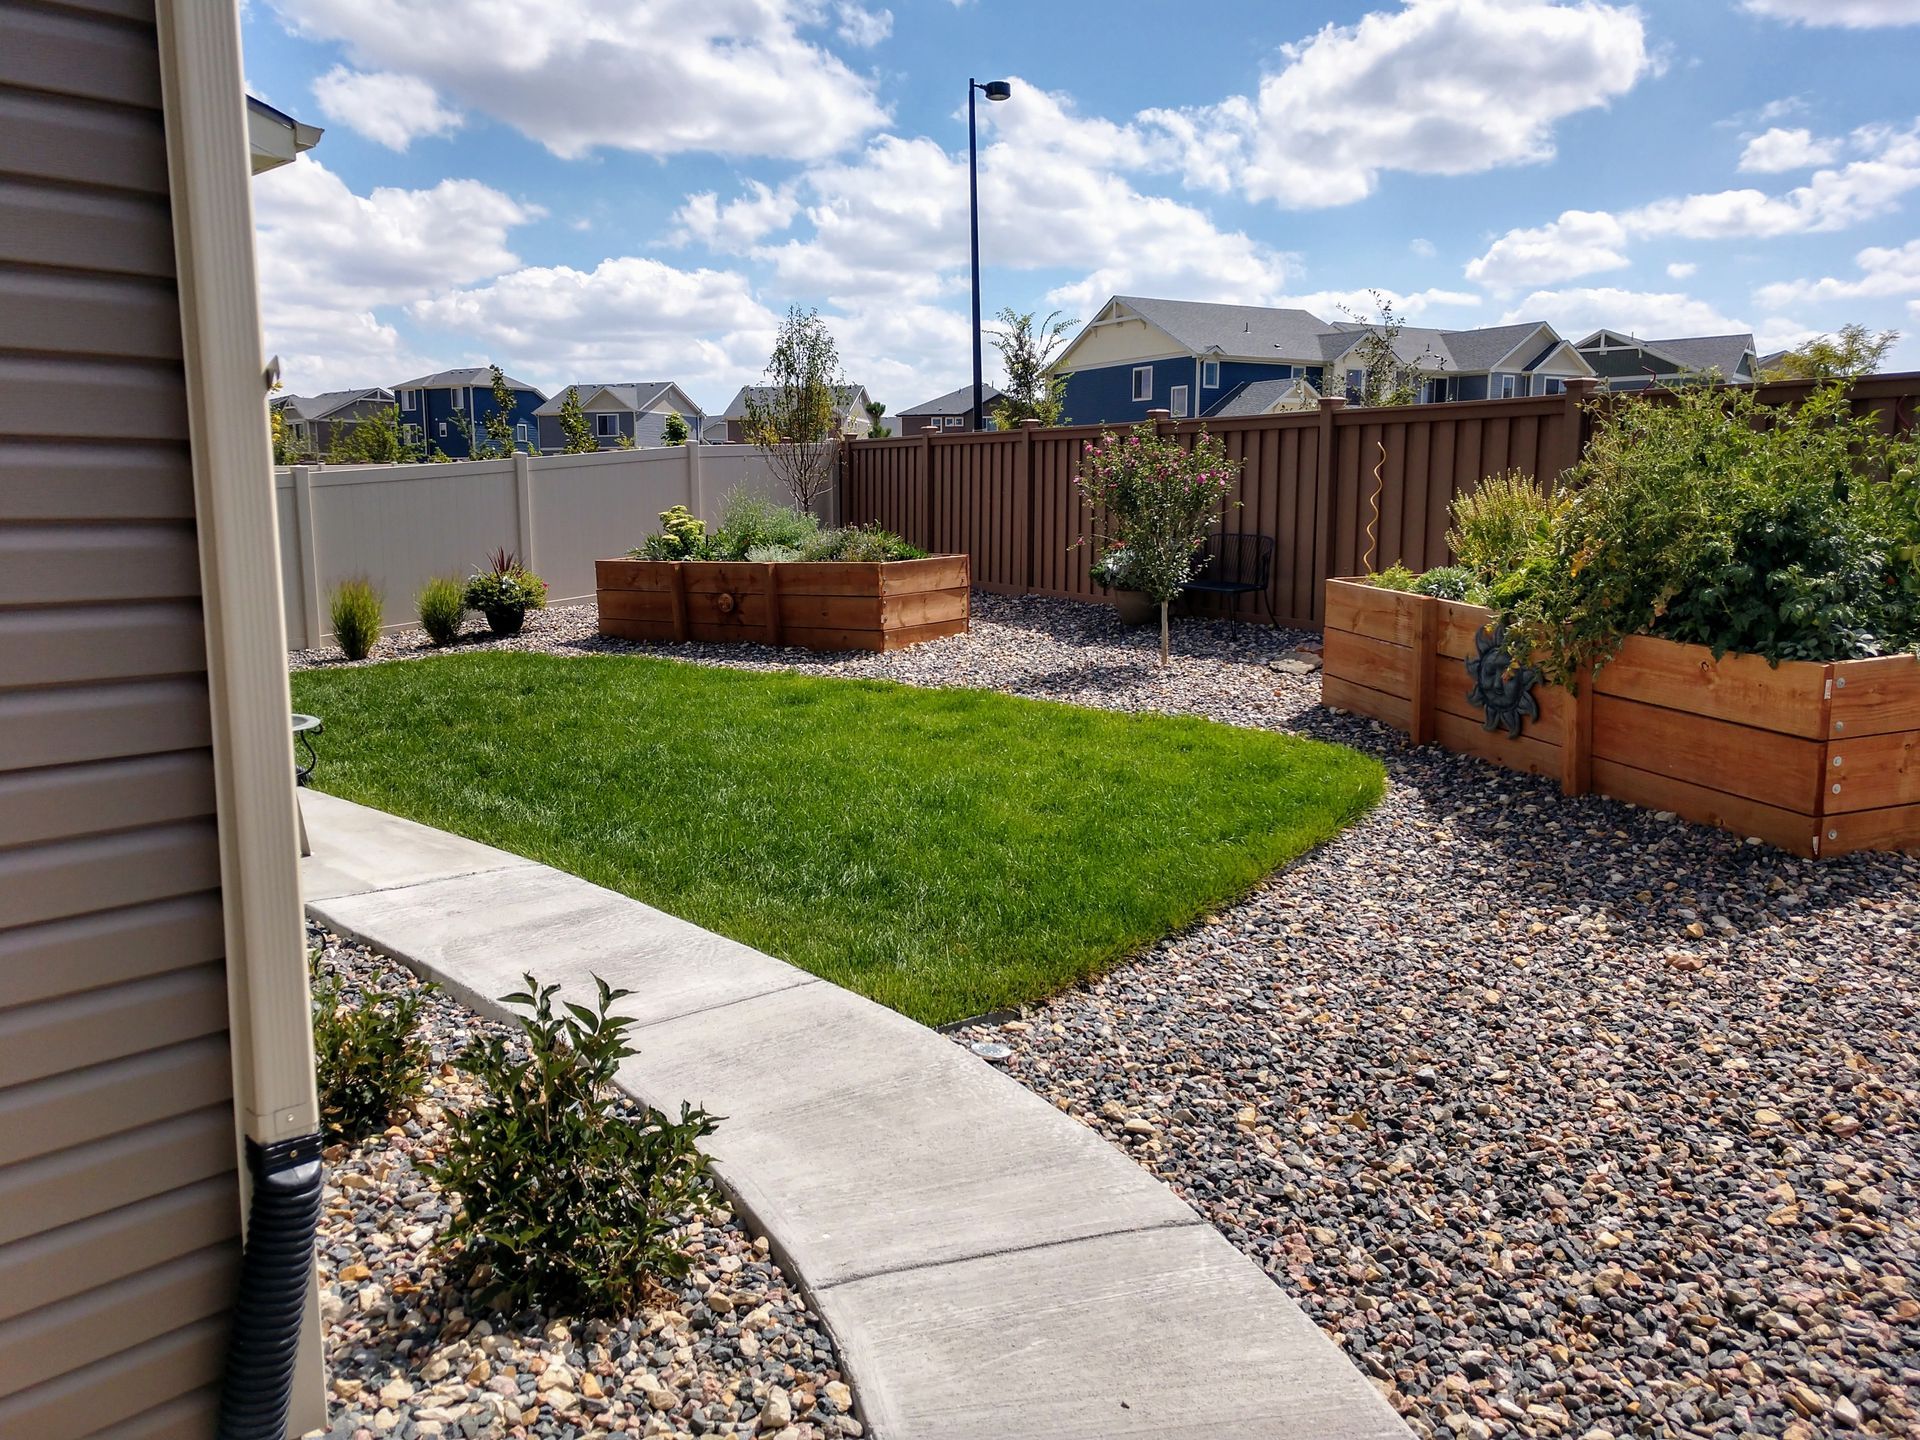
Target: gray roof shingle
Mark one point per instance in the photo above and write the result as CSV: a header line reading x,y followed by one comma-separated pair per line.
x,y
954,402
637,395
1254,332
477,375
316,407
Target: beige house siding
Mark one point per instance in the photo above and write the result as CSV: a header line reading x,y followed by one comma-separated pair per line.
x,y
119,1201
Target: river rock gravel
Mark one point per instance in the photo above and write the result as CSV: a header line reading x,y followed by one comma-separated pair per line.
x,y
1563,1117
733,1351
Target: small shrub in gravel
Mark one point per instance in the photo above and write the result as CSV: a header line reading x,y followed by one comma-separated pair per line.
x,y
441,604
566,1204
355,610
504,590
369,1057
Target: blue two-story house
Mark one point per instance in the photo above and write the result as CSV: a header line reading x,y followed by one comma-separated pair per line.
x,y
437,405
1194,359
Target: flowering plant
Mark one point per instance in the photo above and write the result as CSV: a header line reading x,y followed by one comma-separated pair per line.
x,y
1153,502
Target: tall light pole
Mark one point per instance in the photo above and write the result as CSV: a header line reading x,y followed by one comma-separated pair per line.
x,y
993,90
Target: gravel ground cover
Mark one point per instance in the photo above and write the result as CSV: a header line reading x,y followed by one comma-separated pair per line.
x,y
734,1351
1564,1118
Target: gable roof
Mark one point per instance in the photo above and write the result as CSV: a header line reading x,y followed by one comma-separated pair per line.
x,y
318,407
1689,352
1249,332
1455,351
955,402
1259,397
635,395
475,375
846,397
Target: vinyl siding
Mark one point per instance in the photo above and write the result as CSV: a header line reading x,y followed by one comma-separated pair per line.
x,y
119,1207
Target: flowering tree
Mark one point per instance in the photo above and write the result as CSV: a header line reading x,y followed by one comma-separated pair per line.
x,y
1156,500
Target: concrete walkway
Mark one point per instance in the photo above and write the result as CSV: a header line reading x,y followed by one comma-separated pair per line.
x,y
987,1266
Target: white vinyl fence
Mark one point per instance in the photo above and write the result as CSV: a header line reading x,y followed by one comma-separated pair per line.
x,y
400,525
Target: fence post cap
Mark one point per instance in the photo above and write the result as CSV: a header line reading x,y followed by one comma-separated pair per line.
x,y
1583,385
1333,402
1159,414
1031,422
929,429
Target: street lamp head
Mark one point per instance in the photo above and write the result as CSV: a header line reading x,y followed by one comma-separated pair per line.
x,y
996,90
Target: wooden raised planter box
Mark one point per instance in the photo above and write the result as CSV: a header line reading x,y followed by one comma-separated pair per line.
x,y
1818,759
820,605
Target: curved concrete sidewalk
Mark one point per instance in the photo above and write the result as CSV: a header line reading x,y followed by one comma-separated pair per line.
x,y
988,1266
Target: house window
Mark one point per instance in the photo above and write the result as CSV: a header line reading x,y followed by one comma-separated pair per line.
x,y
443,429
606,427
954,422
1555,386
1356,383
1177,404
1143,382
1209,374
1436,389
409,399
520,432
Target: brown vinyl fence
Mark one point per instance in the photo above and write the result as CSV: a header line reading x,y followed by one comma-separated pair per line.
x,y
1310,480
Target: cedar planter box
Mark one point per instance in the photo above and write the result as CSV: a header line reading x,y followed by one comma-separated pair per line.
x,y
1818,759
820,605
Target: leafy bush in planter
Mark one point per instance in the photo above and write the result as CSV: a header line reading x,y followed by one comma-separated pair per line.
x,y
369,1056
565,1203
1451,582
1784,532
682,536
860,542
441,603
749,521
1498,524
504,590
355,609
1394,577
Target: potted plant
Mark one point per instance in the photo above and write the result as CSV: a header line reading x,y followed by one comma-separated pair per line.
x,y
503,590
1113,572
1158,500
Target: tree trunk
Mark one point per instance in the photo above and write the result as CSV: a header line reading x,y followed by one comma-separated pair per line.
x,y
1164,648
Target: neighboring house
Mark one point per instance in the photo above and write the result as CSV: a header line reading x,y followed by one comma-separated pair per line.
x,y
949,412
634,409
275,137
436,406
849,404
1497,362
153,980
1625,362
1194,359
312,422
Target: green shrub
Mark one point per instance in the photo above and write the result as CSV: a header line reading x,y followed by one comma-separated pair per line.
x,y
859,542
442,602
368,1055
772,554
504,590
1502,521
682,536
1710,518
1451,582
565,1203
356,610
1394,577
748,520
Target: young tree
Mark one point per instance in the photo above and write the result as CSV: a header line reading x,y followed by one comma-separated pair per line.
x,y
1854,352
494,439
876,412
378,439
576,431
1387,377
794,418
673,430
1028,347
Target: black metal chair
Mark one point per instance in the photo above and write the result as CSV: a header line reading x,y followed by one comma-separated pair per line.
x,y
1234,563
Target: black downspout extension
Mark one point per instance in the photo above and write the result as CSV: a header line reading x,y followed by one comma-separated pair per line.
x,y
257,1391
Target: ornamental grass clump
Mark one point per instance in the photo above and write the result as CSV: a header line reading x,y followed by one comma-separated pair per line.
x,y
441,603
1502,521
565,1202
355,609
1155,499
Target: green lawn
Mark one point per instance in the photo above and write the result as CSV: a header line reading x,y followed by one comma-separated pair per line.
x,y
945,852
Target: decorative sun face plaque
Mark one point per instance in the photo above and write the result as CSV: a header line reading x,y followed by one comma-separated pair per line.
x,y
1501,688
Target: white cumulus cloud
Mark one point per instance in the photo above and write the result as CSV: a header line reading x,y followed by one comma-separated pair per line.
x,y
390,110
863,28
1885,271
662,77
1851,14
1580,242
1776,150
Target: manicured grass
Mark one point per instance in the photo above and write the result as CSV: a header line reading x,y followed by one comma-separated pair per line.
x,y
945,852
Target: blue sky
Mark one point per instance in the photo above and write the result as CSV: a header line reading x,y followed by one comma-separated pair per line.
x,y
635,189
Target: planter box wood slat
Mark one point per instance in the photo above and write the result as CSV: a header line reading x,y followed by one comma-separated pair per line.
x,y
820,605
1818,759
